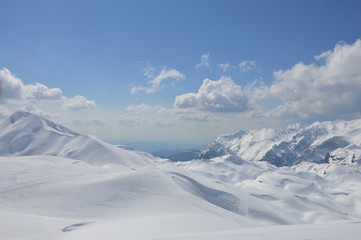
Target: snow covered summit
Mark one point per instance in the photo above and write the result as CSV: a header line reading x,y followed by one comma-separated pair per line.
x,y
291,145
25,134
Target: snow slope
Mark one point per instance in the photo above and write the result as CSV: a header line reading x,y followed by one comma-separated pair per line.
x,y
24,134
57,184
112,231
74,193
57,198
308,193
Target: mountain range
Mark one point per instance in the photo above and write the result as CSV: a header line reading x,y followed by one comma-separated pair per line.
x,y
320,142
256,184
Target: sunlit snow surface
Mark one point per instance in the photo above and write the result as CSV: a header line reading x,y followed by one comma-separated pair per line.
x,y
62,193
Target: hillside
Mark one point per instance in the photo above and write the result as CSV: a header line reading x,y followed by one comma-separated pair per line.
x,y
25,134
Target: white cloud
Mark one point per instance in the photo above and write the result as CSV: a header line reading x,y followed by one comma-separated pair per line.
x,y
156,82
146,108
169,113
149,71
89,122
215,96
14,92
333,87
323,55
205,62
288,110
40,91
140,108
224,66
136,89
35,110
13,88
247,65
196,116
143,121
78,103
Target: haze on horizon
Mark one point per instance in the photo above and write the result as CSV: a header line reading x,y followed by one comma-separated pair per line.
x,y
180,72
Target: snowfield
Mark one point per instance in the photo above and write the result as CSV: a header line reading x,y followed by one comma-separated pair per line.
x,y
57,184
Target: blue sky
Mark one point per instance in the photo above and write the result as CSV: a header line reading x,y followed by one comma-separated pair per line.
x,y
135,71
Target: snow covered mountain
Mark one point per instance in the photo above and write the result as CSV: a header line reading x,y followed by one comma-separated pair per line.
x,y
58,184
25,134
289,146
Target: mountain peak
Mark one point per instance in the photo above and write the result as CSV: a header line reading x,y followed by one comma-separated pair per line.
x,y
28,120
26,134
18,115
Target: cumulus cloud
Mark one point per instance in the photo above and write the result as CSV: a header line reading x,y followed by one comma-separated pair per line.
x,y
78,103
40,91
331,87
247,65
13,91
13,88
205,62
223,95
156,83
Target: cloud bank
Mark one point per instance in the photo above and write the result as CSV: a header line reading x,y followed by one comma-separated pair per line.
x,y
330,86
13,88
